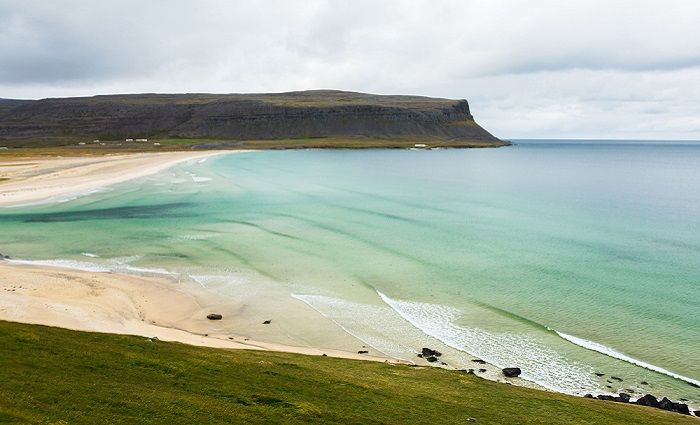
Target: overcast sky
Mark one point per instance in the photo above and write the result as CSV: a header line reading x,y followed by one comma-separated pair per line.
x,y
536,68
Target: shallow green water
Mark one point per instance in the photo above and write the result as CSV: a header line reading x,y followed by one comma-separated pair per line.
x,y
545,255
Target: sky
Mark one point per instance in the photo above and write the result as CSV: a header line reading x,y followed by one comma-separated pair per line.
x,y
530,69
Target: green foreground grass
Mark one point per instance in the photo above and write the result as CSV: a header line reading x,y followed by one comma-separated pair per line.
x,y
51,375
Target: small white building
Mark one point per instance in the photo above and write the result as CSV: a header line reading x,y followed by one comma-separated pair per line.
x,y
420,145
81,143
156,144
128,140
141,140
96,141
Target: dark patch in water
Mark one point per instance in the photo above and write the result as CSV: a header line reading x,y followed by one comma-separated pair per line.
x,y
264,229
135,212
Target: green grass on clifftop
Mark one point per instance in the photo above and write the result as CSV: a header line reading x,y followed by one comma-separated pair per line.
x,y
50,375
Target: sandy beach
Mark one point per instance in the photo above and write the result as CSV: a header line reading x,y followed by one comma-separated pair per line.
x,y
128,304
35,180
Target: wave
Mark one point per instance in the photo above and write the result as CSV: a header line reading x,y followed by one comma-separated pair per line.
x,y
377,326
90,255
198,179
110,266
66,264
600,348
540,364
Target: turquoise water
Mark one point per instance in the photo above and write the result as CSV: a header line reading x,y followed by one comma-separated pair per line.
x,y
563,258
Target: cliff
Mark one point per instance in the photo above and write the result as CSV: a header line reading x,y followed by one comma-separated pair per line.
x,y
240,117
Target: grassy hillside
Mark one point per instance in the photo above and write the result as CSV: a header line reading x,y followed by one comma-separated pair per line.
x,y
50,375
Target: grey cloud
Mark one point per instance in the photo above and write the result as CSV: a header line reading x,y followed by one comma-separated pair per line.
x,y
551,64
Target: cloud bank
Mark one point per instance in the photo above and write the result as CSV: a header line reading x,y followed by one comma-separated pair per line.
x,y
623,69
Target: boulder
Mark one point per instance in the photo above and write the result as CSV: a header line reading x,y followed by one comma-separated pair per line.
x,y
512,372
214,316
648,400
606,397
588,396
431,359
427,352
362,352
623,398
267,322
666,404
482,370
681,408
479,361
598,374
644,383
616,378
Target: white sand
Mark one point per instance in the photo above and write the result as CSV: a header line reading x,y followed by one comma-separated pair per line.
x,y
34,180
126,304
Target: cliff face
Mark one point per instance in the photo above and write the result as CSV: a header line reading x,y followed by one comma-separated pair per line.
x,y
319,113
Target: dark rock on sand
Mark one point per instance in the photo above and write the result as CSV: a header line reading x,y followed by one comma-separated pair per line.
x,y
482,370
648,400
512,372
598,374
419,355
431,359
214,316
362,352
616,378
470,371
644,383
267,322
479,361
427,352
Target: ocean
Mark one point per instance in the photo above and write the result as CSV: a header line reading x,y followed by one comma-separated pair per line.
x,y
563,258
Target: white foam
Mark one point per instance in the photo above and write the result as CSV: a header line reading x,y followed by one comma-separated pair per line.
x,y
90,255
376,325
67,264
600,348
198,179
145,270
202,161
540,363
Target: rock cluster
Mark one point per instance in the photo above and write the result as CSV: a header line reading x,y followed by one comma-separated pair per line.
x,y
646,400
430,355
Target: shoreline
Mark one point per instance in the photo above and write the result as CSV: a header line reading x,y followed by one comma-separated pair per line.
x,y
152,307
31,180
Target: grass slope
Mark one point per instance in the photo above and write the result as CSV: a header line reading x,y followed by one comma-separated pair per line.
x,y
51,375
